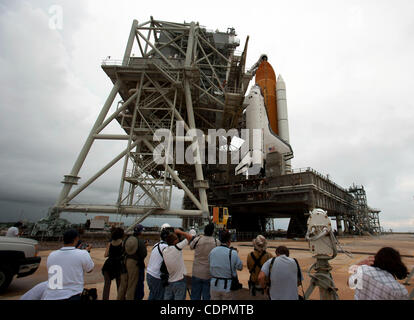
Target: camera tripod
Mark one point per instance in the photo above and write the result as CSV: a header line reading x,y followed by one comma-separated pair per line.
x,y
322,278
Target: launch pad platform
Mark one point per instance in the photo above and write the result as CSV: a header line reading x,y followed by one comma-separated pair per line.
x,y
254,203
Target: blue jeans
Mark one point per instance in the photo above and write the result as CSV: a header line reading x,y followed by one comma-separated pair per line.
x,y
139,291
200,289
156,290
175,290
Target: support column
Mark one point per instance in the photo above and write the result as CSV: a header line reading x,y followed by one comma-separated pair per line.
x,y
339,225
131,134
200,183
346,226
72,178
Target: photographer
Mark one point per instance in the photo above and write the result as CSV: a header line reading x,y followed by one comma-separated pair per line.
x,y
200,281
73,263
224,263
156,289
284,275
174,261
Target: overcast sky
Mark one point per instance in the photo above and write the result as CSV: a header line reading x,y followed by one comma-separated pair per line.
x,y
348,68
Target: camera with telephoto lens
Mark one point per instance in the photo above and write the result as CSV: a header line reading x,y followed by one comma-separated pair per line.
x,y
165,232
169,229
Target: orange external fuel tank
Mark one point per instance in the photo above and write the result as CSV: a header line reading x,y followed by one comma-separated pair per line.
x,y
266,80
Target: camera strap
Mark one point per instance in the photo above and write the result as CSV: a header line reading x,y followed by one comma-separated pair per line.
x,y
270,270
231,269
159,250
158,246
195,244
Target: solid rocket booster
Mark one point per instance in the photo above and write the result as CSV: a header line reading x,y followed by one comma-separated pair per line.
x,y
282,114
266,79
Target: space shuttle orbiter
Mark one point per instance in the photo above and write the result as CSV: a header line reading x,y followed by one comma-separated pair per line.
x,y
266,110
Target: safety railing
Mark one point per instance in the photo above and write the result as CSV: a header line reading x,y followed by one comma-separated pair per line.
x,y
111,62
309,169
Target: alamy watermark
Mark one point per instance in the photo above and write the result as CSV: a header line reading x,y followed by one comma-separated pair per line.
x,y
55,277
218,147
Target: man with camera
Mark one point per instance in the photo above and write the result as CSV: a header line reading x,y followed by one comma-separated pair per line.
x,y
202,245
224,263
66,267
174,261
154,276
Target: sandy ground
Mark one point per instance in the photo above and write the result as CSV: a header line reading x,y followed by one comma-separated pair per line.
x,y
298,249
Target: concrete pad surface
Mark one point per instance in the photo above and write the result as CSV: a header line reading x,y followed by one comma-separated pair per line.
x,y
364,246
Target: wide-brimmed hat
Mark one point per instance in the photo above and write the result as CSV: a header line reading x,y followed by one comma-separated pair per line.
x,y
260,243
131,245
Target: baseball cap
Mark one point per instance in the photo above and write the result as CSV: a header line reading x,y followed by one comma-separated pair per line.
x,y
138,228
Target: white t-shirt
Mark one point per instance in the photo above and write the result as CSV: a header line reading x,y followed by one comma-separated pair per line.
x,y
12,232
173,257
74,262
155,260
36,293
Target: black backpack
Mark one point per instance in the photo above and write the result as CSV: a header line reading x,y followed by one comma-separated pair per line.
x,y
257,264
257,261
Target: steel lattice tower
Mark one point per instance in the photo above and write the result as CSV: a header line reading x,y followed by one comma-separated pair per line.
x,y
183,73
363,218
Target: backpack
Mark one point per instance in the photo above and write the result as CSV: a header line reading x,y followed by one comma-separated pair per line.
x,y
256,261
252,284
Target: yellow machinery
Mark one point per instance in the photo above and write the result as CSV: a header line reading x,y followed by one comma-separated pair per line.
x,y
219,216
